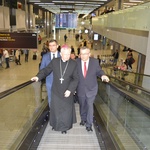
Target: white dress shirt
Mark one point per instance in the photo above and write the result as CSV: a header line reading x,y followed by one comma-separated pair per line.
x,y
56,53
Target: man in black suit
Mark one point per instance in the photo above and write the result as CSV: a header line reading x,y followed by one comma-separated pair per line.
x,y
88,70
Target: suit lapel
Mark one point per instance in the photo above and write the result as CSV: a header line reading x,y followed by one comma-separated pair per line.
x,y
89,66
50,55
80,65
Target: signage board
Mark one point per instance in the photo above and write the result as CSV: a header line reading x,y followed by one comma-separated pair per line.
x,y
18,40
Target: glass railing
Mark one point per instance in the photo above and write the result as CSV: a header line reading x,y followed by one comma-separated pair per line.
x,y
131,77
19,109
126,118
131,18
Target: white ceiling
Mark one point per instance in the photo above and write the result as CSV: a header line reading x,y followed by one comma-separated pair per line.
x,y
78,6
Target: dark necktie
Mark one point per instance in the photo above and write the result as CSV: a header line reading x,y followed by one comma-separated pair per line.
x,y
85,70
53,56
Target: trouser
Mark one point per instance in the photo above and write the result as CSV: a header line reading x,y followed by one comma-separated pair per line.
x,y
48,88
130,65
7,62
26,57
86,109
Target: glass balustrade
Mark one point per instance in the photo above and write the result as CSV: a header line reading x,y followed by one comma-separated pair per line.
x,y
19,110
134,78
126,118
131,18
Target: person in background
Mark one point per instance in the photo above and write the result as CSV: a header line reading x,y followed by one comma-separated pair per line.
x,y
46,59
73,56
129,60
88,70
65,80
72,49
17,57
116,56
44,51
123,66
47,43
81,37
26,52
45,47
65,38
39,39
59,48
78,50
99,60
1,54
6,56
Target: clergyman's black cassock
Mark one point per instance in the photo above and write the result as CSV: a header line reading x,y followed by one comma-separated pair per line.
x,y
62,110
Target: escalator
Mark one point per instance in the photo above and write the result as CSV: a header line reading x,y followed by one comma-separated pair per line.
x,y
119,117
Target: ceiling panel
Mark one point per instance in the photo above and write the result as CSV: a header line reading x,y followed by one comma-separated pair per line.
x,y
78,6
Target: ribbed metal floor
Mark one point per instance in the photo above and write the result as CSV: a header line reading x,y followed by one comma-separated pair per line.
x,y
76,139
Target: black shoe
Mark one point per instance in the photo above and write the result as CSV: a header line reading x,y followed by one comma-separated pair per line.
x,y
52,128
63,132
82,123
89,129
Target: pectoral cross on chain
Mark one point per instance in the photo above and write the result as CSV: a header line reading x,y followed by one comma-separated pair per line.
x,y
61,80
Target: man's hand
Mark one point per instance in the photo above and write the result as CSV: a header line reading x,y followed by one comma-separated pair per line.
x,y
105,78
36,79
67,93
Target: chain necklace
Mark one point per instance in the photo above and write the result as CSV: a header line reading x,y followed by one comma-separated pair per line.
x,y
63,73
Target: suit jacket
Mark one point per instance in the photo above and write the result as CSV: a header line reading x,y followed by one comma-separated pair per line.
x,y
46,59
88,86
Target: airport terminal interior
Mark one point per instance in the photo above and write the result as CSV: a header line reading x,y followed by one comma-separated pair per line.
x,y
121,107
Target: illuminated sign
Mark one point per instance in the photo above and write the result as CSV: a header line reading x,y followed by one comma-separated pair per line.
x,y
18,40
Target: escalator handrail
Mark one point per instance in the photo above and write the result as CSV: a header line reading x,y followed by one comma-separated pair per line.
x,y
14,89
131,84
131,72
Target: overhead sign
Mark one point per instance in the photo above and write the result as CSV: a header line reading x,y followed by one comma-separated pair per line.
x,y
18,40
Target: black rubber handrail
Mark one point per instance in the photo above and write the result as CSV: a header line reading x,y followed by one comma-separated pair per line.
x,y
131,84
131,72
14,89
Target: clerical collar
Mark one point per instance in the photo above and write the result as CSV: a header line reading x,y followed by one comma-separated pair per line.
x,y
64,61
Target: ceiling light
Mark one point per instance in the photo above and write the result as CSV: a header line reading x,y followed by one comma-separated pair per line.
x,y
129,4
86,5
135,1
34,1
44,3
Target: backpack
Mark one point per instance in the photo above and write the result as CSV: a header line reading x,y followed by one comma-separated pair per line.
x,y
132,60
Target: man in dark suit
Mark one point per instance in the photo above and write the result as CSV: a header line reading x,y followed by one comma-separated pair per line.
x,y
88,70
46,59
